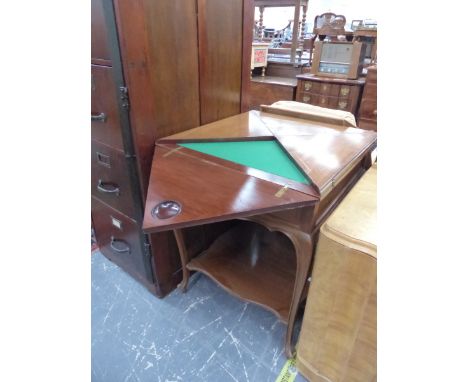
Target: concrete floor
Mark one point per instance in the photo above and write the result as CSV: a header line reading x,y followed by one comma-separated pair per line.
x,y
204,334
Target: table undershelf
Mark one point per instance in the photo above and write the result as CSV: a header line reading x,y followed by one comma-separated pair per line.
x,y
253,264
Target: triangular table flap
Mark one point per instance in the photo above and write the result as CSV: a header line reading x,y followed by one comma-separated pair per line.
x,y
304,187
324,155
245,125
186,191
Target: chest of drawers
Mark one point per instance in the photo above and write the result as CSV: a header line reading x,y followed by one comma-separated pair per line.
x,y
333,93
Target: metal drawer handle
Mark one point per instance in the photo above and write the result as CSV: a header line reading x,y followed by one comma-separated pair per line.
x,y
101,117
307,86
306,98
119,245
108,188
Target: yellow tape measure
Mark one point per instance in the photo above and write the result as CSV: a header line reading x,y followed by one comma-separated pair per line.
x,y
289,371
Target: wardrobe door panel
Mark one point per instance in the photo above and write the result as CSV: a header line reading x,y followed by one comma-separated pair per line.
x,y
220,54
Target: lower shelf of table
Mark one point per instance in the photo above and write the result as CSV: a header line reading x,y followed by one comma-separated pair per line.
x,y
253,264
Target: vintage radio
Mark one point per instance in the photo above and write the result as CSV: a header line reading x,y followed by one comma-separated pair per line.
x,y
338,59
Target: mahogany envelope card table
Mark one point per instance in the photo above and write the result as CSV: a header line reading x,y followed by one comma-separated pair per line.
x,y
275,178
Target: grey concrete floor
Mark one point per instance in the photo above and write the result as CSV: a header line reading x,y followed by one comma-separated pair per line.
x,y
204,334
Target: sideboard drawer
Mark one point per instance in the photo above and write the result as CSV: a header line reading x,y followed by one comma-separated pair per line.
x,y
110,181
119,239
105,122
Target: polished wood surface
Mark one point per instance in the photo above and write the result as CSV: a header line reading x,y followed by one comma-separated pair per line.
x,y
100,53
261,266
368,108
208,189
245,125
324,155
220,55
247,38
338,338
228,193
267,90
104,103
164,96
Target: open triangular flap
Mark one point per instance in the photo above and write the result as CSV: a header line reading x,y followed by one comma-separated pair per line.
x,y
325,154
189,191
245,125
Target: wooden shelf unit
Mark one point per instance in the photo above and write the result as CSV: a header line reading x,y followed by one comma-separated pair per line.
x,y
254,264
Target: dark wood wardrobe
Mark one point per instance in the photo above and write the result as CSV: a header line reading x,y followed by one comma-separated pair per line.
x,y
158,67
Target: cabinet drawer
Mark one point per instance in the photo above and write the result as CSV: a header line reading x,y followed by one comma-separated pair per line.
x,y
99,43
105,123
119,239
312,99
110,181
311,86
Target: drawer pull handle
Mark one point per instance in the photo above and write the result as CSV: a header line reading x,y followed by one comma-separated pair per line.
x,y
101,117
307,86
119,245
306,98
108,188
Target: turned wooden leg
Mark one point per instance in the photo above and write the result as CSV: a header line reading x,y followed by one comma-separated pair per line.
x,y
263,71
183,259
303,245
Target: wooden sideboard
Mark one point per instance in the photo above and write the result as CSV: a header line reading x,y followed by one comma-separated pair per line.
x,y
267,90
368,109
332,93
338,339
152,77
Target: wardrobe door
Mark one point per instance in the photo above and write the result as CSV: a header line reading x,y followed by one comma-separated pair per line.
x,y
220,54
159,50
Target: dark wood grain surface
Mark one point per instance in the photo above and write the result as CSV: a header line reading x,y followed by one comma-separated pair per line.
x,y
368,108
260,268
266,93
100,53
208,192
160,56
220,26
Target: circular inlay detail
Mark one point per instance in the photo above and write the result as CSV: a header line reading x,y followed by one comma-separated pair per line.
x,y
166,209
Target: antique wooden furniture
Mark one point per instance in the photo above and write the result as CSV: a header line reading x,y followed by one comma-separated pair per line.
x,y
368,36
267,90
333,93
338,338
368,108
297,34
259,56
338,59
275,178
139,94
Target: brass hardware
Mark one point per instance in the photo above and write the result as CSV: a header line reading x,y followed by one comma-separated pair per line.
x,y
306,98
307,86
323,100
342,104
344,90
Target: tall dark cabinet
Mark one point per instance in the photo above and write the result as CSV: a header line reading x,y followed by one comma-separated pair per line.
x,y
158,68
